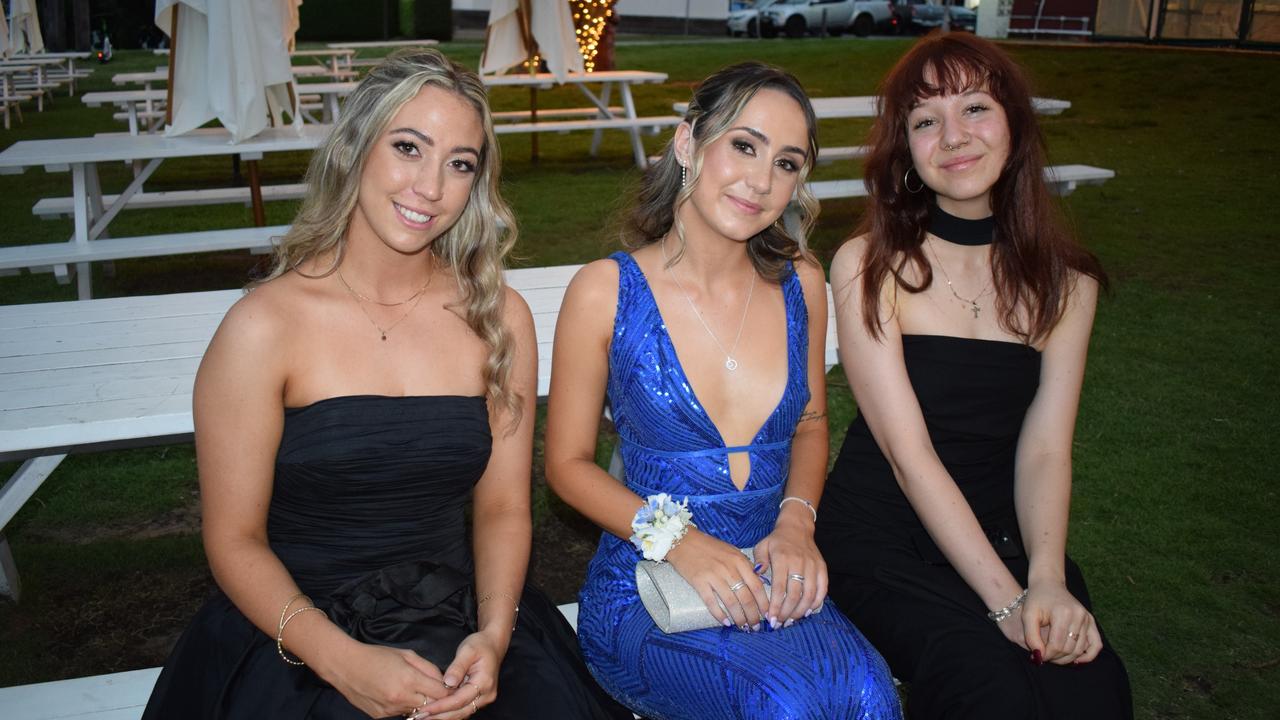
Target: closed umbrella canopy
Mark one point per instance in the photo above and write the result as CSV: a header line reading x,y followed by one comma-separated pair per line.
x,y
228,61
292,21
24,28
4,35
520,28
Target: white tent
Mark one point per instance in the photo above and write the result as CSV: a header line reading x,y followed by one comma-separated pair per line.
x,y
227,61
519,28
24,28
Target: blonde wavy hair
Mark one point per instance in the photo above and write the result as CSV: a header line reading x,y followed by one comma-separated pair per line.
x,y
717,103
474,248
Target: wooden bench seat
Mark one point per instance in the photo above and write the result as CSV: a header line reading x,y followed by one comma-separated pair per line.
x,y
50,208
65,253
117,696
645,123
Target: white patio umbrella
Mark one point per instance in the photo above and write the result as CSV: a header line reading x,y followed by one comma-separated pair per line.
x,y
227,61
519,29
4,35
292,21
24,28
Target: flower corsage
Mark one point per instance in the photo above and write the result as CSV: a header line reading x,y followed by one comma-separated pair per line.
x,y
659,525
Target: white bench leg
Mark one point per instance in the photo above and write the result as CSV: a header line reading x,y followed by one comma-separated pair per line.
x,y
10,586
15,493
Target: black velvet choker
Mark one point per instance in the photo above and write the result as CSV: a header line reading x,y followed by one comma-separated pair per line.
x,y
959,230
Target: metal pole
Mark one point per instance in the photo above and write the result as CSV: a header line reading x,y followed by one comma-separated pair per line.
x,y
686,16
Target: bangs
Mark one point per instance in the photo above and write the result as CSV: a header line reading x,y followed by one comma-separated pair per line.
x,y
949,74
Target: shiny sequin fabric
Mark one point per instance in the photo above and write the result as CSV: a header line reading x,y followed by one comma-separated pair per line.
x,y
821,667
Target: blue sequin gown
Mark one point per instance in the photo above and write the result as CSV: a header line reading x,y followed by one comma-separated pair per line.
x,y
821,667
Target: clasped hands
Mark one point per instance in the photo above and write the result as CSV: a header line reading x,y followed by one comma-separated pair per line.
x,y
734,591
384,682
1054,626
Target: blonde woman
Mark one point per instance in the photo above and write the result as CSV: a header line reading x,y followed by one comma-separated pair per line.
x,y
346,411
708,340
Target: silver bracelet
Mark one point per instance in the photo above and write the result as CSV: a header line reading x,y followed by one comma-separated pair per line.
x,y
799,499
999,616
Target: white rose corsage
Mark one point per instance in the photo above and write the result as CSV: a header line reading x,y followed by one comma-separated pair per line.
x,y
659,525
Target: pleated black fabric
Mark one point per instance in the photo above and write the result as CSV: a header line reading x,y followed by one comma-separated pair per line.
x,y
368,514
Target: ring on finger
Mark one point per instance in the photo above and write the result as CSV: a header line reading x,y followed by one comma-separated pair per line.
x,y
474,709
797,577
737,586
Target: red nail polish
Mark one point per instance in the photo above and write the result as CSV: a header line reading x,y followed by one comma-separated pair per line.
x,y
1036,657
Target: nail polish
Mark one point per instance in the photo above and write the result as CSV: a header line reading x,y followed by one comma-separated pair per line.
x,y
1036,657
808,612
726,622
758,568
789,622
755,628
773,623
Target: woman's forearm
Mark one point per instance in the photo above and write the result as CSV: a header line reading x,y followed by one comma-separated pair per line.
x,y
259,585
502,538
1042,495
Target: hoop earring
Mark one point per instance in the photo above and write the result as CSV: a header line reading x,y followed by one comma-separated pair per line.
x,y
907,185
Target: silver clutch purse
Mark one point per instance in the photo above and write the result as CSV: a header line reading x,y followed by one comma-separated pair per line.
x,y
673,603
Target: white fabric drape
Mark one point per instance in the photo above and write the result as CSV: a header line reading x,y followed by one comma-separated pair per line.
x,y
552,27
231,64
24,28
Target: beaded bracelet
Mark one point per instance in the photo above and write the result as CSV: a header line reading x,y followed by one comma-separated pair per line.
x,y
999,616
280,632
799,499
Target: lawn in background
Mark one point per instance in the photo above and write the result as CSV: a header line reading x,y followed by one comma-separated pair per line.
x,y
1174,509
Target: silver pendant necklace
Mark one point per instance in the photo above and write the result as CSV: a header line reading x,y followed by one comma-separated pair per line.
x,y
730,362
973,304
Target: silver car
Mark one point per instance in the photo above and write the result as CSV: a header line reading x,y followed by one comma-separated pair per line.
x,y
744,17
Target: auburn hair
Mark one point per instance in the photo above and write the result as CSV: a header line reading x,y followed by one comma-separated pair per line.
x,y
1034,256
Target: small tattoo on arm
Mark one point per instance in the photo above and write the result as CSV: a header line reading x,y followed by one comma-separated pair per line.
x,y
811,416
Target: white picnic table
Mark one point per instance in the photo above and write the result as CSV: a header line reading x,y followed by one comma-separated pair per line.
x,y
40,81
335,58
8,94
600,116
71,74
96,374
142,108
92,215
355,60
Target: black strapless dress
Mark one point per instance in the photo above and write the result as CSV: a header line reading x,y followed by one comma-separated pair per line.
x,y
890,578
368,514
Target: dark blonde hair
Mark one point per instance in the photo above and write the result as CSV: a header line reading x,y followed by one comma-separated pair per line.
x,y
475,246
1033,254
717,103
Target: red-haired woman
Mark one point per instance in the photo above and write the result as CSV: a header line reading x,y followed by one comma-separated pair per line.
x,y
964,309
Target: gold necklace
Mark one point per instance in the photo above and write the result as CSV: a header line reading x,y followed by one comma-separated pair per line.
x,y
973,304
730,363
357,297
365,298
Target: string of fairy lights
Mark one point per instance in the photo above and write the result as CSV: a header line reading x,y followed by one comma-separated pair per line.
x,y
589,19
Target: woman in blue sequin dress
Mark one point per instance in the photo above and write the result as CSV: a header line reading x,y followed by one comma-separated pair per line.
x,y
708,340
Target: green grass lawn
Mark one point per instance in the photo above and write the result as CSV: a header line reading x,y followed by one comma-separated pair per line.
x,y
1173,516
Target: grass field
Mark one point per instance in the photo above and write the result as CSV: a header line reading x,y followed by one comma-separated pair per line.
x,y
1174,512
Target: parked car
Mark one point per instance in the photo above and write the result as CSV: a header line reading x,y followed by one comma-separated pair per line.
x,y
798,18
744,17
925,15
871,16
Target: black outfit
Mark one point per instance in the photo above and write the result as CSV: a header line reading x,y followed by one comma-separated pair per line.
x,y
890,578
368,515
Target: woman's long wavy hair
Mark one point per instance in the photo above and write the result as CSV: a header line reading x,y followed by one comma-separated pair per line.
x,y
717,103
1033,254
473,248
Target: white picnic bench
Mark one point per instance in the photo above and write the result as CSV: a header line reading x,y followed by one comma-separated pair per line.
x,y
90,375
355,61
9,95
601,115
92,215
70,74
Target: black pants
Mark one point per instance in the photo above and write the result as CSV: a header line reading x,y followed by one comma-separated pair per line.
x,y
933,631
